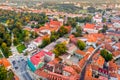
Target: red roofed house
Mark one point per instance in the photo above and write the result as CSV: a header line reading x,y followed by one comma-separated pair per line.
x,y
90,28
80,53
99,60
5,63
116,54
68,70
39,58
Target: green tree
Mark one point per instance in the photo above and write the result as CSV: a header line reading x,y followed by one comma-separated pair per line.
x,y
62,31
103,20
4,45
60,49
72,22
1,40
34,35
81,45
54,36
5,75
15,41
106,55
45,42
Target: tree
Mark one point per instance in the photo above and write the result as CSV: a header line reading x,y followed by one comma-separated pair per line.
x,y
104,29
26,39
103,20
106,55
71,21
54,36
62,31
5,75
34,35
60,49
81,45
1,40
45,42
78,32
15,41
4,45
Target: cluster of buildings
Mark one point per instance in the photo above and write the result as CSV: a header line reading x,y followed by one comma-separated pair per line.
x,y
75,64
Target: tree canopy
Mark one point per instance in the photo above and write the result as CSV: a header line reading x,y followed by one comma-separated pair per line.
x,y
62,31
81,45
106,55
60,49
5,75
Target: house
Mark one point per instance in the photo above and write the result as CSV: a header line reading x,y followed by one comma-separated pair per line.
x,y
31,48
5,63
88,73
116,46
73,39
80,53
90,50
97,18
68,71
116,25
103,72
113,70
41,57
53,63
93,38
99,60
37,41
102,78
116,54
83,60
38,59
90,28
71,48
95,69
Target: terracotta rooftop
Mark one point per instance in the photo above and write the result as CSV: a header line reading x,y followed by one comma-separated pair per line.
x,y
90,50
5,62
93,37
83,60
99,60
70,70
90,26
116,53
95,67
54,62
80,52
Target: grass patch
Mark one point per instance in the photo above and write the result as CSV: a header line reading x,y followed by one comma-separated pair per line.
x,y
21,47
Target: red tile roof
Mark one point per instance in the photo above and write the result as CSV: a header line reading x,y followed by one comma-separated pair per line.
x,y
90,26
116,53
5,62
80,52
83,60
70,70
54,62
35,59
90,50
38,39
